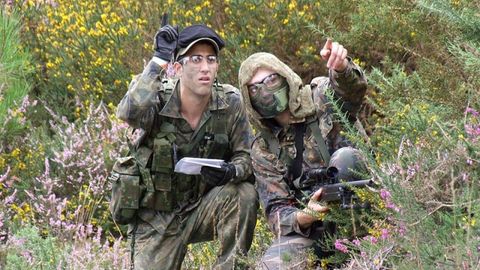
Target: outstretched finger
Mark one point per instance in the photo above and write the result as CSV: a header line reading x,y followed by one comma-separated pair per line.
x,y
328,44
333,55
325,52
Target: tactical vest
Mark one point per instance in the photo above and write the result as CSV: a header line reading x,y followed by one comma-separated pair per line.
x,y
274,145
294,166
158,153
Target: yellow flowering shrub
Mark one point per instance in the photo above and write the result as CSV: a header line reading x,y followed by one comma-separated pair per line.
x,y
85,50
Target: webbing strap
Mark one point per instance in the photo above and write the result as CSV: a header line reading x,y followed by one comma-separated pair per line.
x,y
296,169
142,155
317,134
132,245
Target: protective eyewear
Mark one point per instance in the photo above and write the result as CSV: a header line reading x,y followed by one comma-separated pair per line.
x,y
272,81
198,59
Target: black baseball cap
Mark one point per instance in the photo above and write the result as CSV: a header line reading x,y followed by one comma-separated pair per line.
x,y
194,34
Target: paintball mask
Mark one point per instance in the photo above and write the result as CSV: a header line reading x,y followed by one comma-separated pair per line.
x,y
270,96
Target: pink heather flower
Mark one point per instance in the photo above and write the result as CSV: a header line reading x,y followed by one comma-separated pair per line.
x,y
372,239
391,205
472,111
385,194
356,242
340,246
469,162
386,197
10,198
401,229
385,234
28,256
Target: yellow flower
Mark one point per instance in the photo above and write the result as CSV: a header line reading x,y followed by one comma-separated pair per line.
x,y
285,21
21,166
122,31
15,153
2,162
292,5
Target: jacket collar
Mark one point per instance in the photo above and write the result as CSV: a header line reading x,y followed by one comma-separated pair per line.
x,y
172,107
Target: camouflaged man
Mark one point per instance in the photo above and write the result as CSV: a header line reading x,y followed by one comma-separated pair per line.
x,y
297,133
192,116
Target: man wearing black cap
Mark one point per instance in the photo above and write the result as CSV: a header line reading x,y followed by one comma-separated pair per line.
x,y
192,116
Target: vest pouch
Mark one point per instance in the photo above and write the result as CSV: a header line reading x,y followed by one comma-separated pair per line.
x,y
218,147
163,192
126,190
162,173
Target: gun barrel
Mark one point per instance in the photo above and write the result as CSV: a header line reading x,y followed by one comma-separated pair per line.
x,y
334,192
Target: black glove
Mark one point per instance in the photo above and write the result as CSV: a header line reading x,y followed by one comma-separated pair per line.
x,y
165,42
218,176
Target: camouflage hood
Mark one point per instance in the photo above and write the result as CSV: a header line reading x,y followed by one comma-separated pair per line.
x,y
300,102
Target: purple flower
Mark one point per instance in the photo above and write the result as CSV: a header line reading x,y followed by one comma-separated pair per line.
x,y
385,233
340,246
472,111
386,197
385,194
372,239
28,256
356,242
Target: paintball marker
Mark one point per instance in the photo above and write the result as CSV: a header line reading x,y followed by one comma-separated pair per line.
x,y
164,19
334,190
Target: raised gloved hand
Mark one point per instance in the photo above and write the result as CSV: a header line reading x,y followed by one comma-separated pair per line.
x,y
218,176
165,42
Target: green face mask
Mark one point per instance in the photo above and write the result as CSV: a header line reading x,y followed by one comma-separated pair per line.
x,y
270,98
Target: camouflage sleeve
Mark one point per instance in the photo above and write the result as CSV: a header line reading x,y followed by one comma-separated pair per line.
x,y
139,104
276,198
350,87
240,137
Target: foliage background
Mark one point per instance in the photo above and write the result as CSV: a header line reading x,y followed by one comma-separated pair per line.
x,y
65,64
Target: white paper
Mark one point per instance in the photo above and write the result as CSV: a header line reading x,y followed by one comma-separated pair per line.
x,y
192,166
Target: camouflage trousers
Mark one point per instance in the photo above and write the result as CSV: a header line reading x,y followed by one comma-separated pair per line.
x,y
296,251
226,213
287,252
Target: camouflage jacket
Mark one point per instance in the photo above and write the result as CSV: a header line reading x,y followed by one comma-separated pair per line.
x,y
143,108
276,191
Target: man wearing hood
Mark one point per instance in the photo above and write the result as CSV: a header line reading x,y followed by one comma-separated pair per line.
x,y
192,116
297,132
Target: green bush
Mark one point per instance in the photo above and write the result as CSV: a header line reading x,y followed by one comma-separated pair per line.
x,y
15,73
29,250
